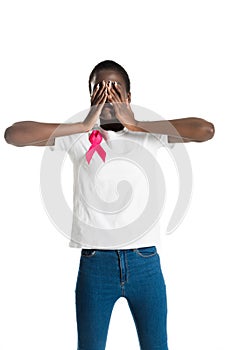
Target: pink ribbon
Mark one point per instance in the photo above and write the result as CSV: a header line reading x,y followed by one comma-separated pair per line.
x,y
95,138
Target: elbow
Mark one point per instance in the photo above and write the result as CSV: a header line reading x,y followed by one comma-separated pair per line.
x,y
9,136
209,131
206,131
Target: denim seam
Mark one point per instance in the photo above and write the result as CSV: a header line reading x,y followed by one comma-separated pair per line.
x,y
145,256
90,255
126,267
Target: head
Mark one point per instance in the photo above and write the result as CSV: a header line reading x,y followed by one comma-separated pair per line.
x,y
110,71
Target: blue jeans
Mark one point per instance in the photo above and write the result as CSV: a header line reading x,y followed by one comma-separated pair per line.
x,y
106,275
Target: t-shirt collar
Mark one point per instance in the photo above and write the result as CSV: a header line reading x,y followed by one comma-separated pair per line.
x,y
108,134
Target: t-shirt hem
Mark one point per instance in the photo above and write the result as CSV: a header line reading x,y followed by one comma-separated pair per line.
x,y
76,245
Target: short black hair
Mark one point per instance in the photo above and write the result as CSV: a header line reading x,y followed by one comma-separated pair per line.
x,y
112,65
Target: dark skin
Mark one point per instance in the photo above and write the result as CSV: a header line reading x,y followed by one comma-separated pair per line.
x,y
108,116
110,102
119,115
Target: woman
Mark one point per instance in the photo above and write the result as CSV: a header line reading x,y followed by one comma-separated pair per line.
x,y
110,270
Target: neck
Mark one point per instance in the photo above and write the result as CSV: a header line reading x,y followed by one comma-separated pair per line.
x,y
112,126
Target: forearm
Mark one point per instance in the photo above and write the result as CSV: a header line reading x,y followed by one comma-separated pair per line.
x,y
196,129
29,132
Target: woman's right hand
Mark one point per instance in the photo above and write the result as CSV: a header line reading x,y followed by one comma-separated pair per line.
x,y
98,99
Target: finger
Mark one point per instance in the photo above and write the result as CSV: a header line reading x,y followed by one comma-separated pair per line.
x,y
119,90
115,102
114,98
98,92
113,95
99,103
109,89
102,98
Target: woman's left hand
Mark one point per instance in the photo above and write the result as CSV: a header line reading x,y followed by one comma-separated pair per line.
x,y
121,106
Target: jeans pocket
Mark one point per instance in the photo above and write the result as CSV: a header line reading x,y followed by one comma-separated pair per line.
x,y
88,253
146,252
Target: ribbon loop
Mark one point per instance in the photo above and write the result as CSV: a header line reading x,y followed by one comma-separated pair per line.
x,y
95,138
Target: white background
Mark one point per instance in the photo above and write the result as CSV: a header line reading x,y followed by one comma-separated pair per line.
x,y
179,56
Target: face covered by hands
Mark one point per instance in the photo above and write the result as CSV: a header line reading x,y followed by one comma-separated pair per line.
x,y
119,105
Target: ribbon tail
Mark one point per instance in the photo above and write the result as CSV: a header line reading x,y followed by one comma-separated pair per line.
x,y
89,154
101,152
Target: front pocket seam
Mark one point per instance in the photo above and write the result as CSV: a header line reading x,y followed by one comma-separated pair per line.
x,y
89,255
145,256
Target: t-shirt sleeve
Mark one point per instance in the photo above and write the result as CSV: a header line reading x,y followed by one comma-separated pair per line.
x,y
63,143
164,142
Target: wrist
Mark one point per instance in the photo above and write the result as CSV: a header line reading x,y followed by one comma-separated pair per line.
x,y
134,126
85,127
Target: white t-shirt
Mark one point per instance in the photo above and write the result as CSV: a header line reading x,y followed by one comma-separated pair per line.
x,y
107,212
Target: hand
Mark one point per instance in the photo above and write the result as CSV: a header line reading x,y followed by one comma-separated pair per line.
x,y
98,99
121,105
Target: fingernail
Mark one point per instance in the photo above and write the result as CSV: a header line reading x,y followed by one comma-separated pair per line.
x,y
98,86
115,83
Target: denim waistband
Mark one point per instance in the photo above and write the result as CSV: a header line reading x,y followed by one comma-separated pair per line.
x,y
116,250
